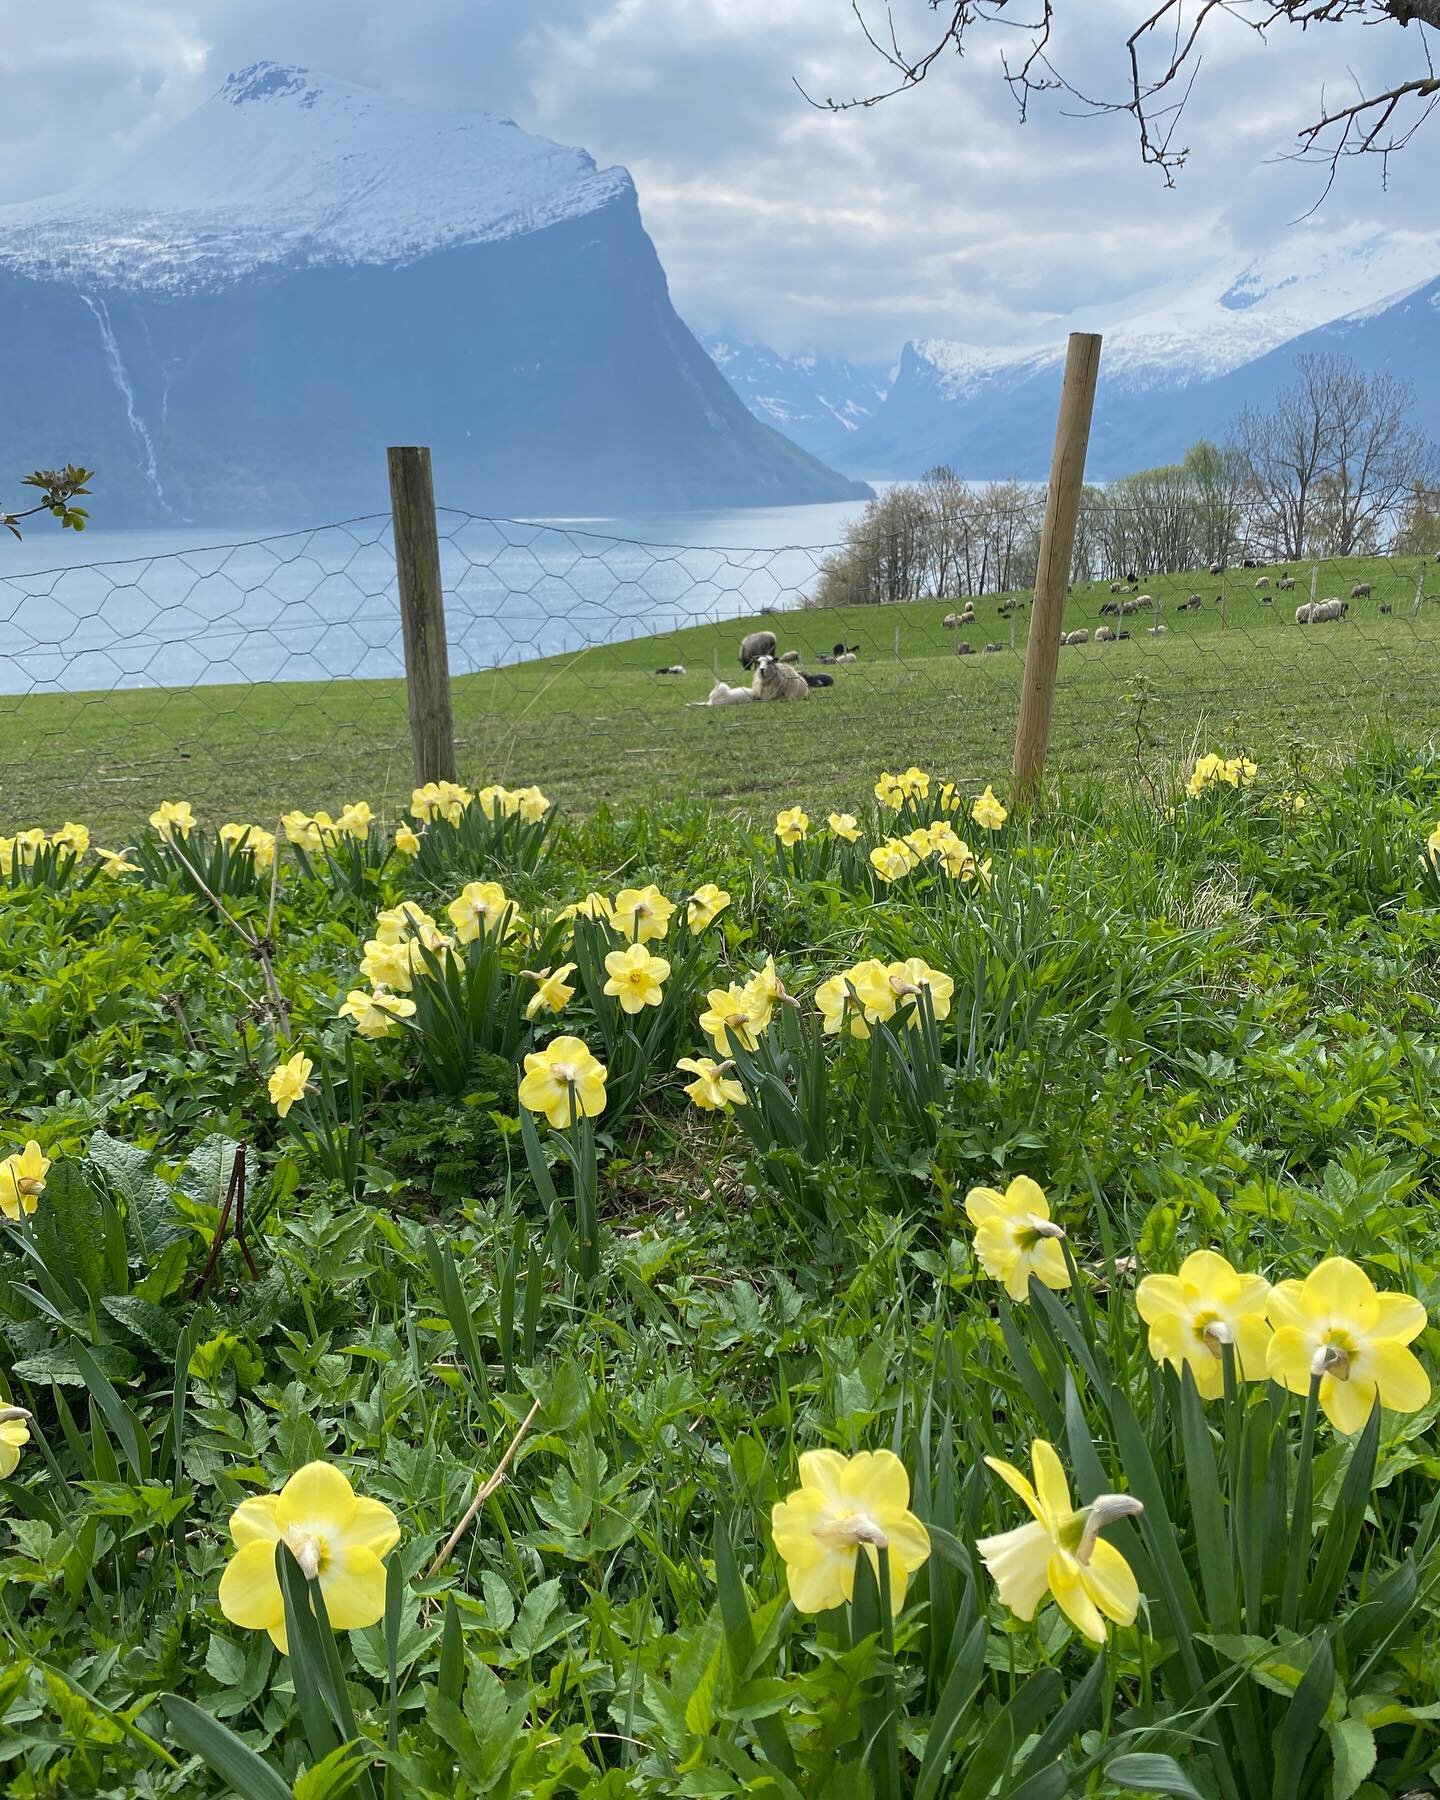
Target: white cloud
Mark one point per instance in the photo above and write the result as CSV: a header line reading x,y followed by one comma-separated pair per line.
x,y
937,213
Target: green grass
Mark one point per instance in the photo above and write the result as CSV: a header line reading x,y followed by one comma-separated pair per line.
x,y
601,726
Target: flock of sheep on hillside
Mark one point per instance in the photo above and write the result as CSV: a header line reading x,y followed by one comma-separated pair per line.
x,y
778,676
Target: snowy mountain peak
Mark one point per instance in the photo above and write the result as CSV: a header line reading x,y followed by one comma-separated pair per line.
x,y
282,166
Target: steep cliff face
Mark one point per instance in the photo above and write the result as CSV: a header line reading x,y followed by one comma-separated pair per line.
x,y
240,317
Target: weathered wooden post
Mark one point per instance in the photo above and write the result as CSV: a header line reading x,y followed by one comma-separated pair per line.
x,y
422,612
1057,546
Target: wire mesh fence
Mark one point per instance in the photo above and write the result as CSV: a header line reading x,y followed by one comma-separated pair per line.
x,y
257,676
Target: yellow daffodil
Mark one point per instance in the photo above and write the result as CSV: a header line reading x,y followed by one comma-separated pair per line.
x,y
729,1013
908,979
288,1081
355,819
954,855
845,1504
859,997
844,826
233,834
914,784
173,818
72,837
388,965
763,992
712,1090
440,800
1061,1551
22,1180
407,840
339,1539
397,924
948,797
893,859
565,1064
375,1014
302,829
1336,1325
1193,1315
636,978
495,799
889,792
1015,1237
791,825
116,862
593,906
553,993
705,905
988,812
14,1436
531,804
641,914
482,907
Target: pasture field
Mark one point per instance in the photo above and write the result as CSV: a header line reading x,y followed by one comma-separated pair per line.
x,y
602,725
626,1380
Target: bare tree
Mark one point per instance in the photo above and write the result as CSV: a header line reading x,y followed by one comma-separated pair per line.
x,y
1333,462
1161,60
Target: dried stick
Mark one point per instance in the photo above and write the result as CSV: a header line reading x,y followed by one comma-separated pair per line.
x,y
483,1493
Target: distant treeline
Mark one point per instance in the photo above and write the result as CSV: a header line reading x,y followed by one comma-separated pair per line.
x,y
1337,468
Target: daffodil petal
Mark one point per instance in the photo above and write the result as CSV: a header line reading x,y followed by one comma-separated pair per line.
x,y
1068,1588
317,1501
354,1588
250,1589
255,1521
1051,1488
1402,1382
1111,1584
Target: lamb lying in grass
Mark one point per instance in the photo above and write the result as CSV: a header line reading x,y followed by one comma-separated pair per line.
x,y
722,694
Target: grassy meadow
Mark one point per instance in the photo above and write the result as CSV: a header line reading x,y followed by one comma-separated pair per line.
x,y
603,727
553,1305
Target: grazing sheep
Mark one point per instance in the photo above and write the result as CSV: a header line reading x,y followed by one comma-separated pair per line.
x,y
1155,630
1217,568
1111,606
1250,562
1286,583
1116,588
775,680
1267,599
991,649
790,656
1193,604
674,669
950,621
755,645
964,648
1303,611
1133,579
1121,634
815,681
1076,637
722,694
1386,607
1360,591
1262,581
1104,635
1328,609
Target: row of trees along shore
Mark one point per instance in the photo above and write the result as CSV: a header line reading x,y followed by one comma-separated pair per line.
x,y
1338,467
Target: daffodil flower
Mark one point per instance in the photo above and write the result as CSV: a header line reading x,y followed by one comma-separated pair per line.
x,y
288,1082
988,812
1336,1325
845,1504
844,826
356,819
482,907
1015,1237
173,818
407,840
791,825
712,1090
593,906
375,1014
1194,1314
116,862
564,1068
338,1537
909,979
14,1436
641,914
859,997
553,992
72,837
705,905
889,792
729,1013
893,859
636,978
1061,1551
22,1181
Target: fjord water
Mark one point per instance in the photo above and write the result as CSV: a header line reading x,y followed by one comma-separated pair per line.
x,y
103,608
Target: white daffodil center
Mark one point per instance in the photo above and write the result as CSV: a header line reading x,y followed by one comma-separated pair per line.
x,y
1034,1228
849,1529
1334,1357
564,1073
310,1551
1214,1333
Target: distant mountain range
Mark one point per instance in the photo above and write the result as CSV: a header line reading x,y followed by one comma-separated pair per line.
x,y
1178,364
812,399
234,320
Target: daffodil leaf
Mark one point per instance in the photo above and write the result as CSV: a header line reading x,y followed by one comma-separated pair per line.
x,y
226,1755
1149,1772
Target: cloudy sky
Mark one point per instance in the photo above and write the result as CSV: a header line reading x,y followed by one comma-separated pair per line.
x,y
937,213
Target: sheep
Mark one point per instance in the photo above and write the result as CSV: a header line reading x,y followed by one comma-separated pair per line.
x,y
990,649
1286,583
1110,606
790,656
819,681
1329,609
1145,600
1121,634
775,680
1155,630
1217,568
722,694
1103,634
1250,562
1386,607
673,669
1133,579
848,657
964,648
1261,581
841,650
1360,591
1076,637
950,621
755,645
1116,588
1303,612
1267,599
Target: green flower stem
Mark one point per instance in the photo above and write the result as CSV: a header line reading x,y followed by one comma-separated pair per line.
x,y
887,1772
1298,1550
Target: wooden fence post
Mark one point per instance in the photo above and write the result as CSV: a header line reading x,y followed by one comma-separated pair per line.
x,y
422,612
1057,546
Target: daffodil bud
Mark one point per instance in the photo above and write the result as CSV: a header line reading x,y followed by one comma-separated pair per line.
x,y
1330,1359
1105,1510
7,1413
1045,1228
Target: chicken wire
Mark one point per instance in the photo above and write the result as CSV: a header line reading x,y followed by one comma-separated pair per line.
x,y
275,666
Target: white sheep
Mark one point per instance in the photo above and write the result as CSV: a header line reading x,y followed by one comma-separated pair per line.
x,y
790,656
1104,635
951,621
722,694
778,681
755,645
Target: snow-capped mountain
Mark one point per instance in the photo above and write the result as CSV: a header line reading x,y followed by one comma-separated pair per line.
x,y
815,400
1174,361
235,319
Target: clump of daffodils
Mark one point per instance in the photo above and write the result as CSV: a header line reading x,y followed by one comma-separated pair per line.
x,y
1212,770
744,1010
872,992
315,832
988,812
259,842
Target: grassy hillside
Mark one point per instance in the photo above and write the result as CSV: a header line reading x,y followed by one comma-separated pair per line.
x,y
601,725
